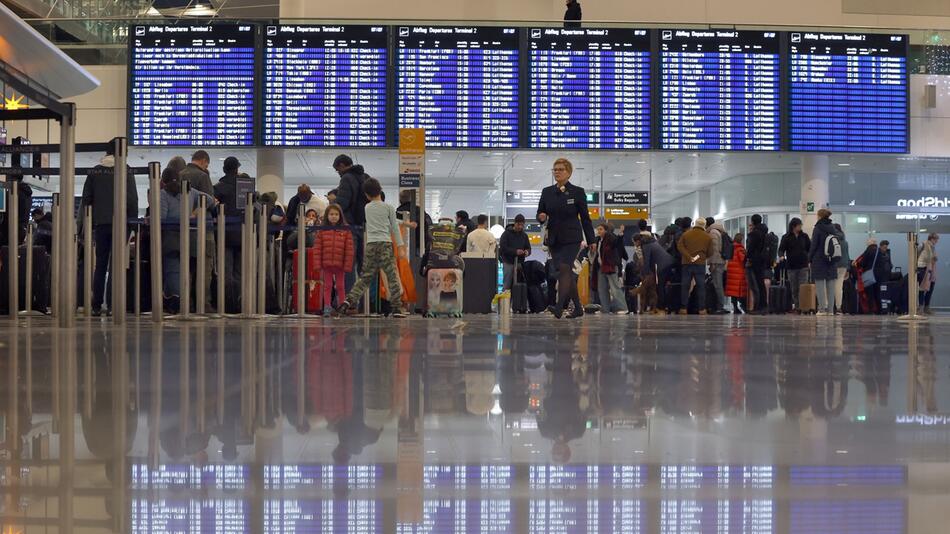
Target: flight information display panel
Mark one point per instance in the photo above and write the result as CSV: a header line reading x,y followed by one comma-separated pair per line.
x,y
325,86
590,88
192,85
720,90
848,92
461,84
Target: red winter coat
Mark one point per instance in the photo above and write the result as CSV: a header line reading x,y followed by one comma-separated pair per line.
x,y
335,249
736,284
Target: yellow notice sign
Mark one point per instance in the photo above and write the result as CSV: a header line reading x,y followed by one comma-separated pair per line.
x,y
626,214
412,156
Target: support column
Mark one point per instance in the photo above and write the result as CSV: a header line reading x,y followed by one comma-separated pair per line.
x,y
815,188
66,225
270,172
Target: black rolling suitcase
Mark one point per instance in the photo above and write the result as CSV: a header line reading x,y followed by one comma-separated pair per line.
x,y
780,296
849,298
519,291
42,279
537,300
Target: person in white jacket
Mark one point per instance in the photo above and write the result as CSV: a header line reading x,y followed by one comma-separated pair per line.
x,y
927,272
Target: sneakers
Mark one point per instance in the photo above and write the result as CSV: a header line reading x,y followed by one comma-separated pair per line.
x,y
683,312
399,313
327,311
822,314
703,312
576,314
342,309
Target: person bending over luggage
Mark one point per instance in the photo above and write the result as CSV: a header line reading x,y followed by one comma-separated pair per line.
x,y
564,207
334,254
695,246
382,230
514,247
872,260
608,263
657,263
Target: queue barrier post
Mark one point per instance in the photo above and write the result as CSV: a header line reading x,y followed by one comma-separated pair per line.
x,y
119,233
262,261
28,305
301,261
55,258
13,249
88,262
137,305
184,251
219,244
155,239
913,286
201,289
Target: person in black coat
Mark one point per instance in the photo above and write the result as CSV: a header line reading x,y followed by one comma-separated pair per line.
x,y
513,247
878,260
563,207
350,197
794,248
758,264
573,14
823,269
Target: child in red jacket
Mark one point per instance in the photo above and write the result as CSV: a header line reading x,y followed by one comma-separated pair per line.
x,y
334,254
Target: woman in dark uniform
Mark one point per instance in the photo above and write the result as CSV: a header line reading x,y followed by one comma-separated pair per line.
x,y
563,207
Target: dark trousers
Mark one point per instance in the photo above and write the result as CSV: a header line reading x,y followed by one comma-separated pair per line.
x,y
662,277
924,296
102,236
874,298
564,256
349,278
690,273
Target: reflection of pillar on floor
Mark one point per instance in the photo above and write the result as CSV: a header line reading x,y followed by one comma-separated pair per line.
x,y
815,189
270,172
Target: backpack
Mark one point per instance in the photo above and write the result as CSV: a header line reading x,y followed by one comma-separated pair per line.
x,y
832,248
771,247
728,247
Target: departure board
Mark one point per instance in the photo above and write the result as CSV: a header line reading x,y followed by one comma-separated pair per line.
x,y
590,88
749,516
192,85
563,516
325,86
461,84
720,90
353,516
848,92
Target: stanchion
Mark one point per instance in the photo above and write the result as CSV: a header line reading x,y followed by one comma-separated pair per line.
x,y
137,305
28,305
913,286
219,244
88,263
184,251
248,292
13,249
66,223
119,234
366,294
55,258
262,261
201,289
301,262
155,238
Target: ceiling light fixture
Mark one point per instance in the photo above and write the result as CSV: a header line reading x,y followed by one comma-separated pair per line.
x,y
844,164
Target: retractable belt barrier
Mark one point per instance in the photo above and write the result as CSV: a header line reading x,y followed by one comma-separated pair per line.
x,y
13,250
155,239
88,263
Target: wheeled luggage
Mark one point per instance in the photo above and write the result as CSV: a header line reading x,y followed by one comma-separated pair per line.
x,y
808,298
519,290
313,290
42,272
780,295
537,301
444,292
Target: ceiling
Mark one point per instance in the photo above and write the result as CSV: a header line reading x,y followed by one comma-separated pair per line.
x,y
474,180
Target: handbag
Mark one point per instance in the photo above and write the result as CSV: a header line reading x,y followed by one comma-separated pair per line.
x,y
867,277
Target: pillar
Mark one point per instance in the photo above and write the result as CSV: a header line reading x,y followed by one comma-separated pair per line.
x,y
270,172
815,188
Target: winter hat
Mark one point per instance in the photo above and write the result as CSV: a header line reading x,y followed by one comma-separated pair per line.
x,y
700,223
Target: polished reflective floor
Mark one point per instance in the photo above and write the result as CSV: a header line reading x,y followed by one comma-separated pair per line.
x,y
608,424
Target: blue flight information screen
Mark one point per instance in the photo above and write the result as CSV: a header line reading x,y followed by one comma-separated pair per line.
x,y
848,92
590,88
325,86
720,90
461,84
192,85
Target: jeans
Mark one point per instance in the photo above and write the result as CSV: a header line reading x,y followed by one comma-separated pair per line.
x,y
610,289
697,273
508,271
797,277
758,299
378,256
825,290
718,273
839,289
171,274
102,236
923,297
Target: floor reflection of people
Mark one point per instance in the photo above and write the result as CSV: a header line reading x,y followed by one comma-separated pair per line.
x,y
561,419
179,434
926,371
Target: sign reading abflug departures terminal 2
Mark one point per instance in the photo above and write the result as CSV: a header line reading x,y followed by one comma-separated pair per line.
x,y
461,84
192,85
848,92
720,90
325,86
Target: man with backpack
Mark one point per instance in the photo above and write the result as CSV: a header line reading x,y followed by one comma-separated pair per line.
x,y
352,201
721,253
794,248
825,253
